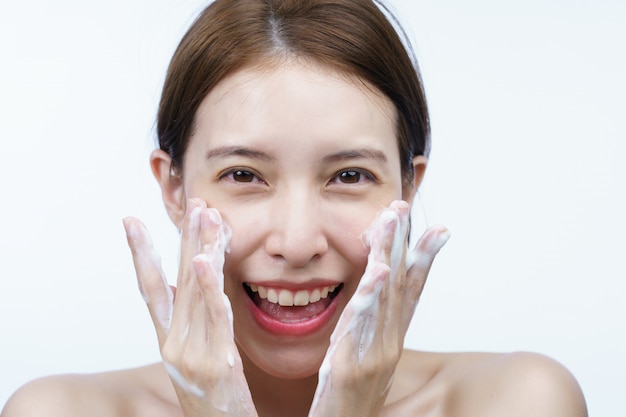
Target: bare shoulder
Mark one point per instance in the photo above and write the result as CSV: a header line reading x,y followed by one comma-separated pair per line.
x,y
484,384
125,393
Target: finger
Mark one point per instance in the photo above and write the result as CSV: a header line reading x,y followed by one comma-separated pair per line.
x,y
399,238
217,308
150,276
364,316
199,347
214,238
208,347
355,336
364,307
370,306
388,240
189,237
427,247
419,262
387,236
187,293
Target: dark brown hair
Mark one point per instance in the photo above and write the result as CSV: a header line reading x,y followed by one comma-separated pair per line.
x,y
351,36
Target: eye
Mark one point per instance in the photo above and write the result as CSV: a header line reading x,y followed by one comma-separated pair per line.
x,y
349,177
241,175
352,176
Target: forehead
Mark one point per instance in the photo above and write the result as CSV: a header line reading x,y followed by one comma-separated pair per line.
x,y
296,101
302,71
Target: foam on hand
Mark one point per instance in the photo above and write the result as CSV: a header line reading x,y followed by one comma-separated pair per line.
x,y
364,306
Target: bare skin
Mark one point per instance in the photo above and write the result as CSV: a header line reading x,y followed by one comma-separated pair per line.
x,y
426,384
311,203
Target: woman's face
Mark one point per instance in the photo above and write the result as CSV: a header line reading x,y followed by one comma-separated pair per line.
x,y
298,160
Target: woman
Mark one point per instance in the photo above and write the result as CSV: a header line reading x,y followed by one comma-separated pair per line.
x,y
293,136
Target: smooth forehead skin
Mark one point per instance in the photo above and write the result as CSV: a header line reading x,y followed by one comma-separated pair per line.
x,y
296,109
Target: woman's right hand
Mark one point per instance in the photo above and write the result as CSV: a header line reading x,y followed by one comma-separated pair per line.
x,y
193,322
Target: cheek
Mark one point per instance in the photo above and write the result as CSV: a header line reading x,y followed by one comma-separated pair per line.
x,y
342,224
247,227
345,231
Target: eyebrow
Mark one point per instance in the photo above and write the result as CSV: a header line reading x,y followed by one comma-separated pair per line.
x,y
226,151
364,153
351,154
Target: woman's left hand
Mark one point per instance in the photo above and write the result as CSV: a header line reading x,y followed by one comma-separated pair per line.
x,y
366,345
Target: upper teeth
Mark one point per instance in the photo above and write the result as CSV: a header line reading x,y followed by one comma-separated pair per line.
x,y
289,298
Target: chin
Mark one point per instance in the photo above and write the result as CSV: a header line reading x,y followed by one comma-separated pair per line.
x,y
288,362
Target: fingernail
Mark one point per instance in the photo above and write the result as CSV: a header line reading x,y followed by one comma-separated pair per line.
x,y
209,217
388,217
427,249
133,230
193,204
127,222
440,240
399,205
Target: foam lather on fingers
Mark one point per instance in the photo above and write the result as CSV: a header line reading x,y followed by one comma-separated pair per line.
x,y
362,315
219,276
216,250
377,234
149,262
427,247
390,225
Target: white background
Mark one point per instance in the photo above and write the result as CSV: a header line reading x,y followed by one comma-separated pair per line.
x,y
527,102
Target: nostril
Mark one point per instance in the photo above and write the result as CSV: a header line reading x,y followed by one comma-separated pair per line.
x,y
296,251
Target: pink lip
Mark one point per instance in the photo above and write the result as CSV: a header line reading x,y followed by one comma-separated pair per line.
x,y
301,328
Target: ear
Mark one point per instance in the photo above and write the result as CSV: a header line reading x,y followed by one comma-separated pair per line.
x,y
171,183
419,169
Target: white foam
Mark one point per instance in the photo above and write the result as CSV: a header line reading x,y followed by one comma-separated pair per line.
x,y
364,305
162,307
179,379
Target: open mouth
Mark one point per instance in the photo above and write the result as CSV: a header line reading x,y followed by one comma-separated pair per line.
x,y
292,307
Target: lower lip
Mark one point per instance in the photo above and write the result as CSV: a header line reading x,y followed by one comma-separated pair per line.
x,y
302,328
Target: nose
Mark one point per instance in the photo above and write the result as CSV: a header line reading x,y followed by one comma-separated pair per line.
x,y
297,234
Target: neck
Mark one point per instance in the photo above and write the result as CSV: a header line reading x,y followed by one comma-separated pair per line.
x,y
276,397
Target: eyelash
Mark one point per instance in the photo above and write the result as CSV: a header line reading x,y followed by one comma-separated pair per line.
x,y
361,173
241,171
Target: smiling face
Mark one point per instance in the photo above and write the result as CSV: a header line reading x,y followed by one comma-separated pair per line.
x,y
298,160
